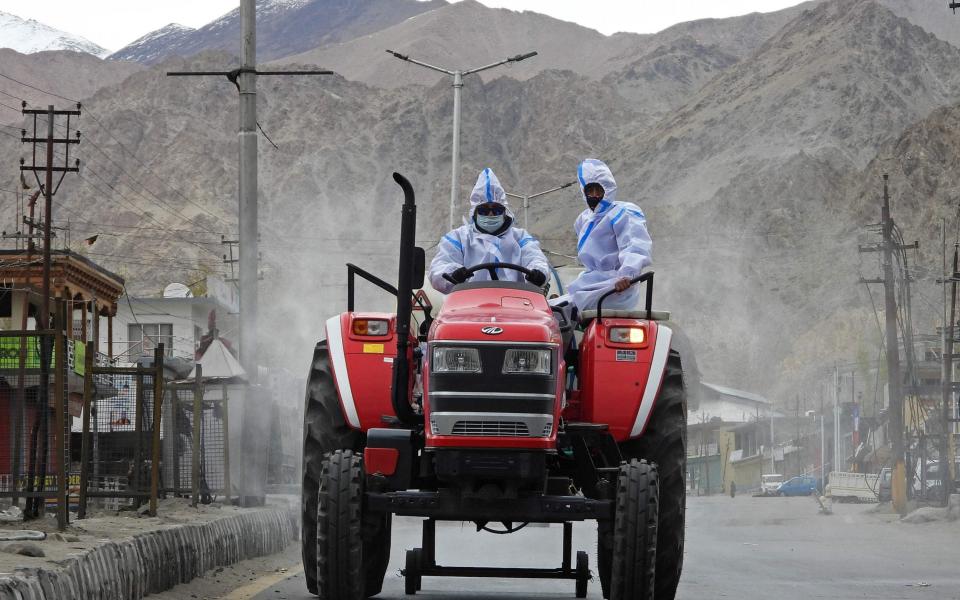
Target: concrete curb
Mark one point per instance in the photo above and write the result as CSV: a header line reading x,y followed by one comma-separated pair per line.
x,y
155,561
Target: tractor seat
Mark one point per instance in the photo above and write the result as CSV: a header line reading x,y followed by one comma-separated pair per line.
x,y
655,315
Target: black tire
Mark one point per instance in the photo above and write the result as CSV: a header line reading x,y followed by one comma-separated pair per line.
x,y
348,561
411,572
324,431
377,533
664,443
583,573
632,559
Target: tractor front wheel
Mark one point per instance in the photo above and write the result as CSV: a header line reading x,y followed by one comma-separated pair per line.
x,y
324,431
664,443
627,551
350,555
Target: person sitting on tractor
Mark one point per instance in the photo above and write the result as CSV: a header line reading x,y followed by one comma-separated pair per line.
x,y
487,237
612,243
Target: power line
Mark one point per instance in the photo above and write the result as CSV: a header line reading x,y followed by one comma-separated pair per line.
x,y
103,128
162,204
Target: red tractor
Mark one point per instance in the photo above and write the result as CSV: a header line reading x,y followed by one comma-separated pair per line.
x,y
489,414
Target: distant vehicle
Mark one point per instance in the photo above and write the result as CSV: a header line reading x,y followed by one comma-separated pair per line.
x,y
798,486
770,483
934,486
853,487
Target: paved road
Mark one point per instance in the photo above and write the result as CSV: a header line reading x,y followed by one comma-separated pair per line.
x,y
746,548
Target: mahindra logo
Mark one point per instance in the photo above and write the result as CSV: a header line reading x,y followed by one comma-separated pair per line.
x,y
492,330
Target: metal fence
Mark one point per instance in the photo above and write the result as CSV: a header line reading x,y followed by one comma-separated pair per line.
x,y
196,447
35,393
120,436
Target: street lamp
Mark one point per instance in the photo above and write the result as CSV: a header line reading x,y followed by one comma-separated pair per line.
x,y
527,198
457,86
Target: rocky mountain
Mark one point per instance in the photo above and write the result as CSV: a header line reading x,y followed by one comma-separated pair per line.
x,y
667,76
284,27
72,74
759,159
156,45
468,34
28,36
932,16
739,36
450,37
755,163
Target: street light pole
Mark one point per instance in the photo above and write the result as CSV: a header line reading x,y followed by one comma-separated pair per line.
x,y
527,198
458,76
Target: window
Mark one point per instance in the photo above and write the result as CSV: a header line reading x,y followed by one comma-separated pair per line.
x,y
144,337
6,309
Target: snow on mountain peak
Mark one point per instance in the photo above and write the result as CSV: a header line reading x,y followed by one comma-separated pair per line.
x,y
29,36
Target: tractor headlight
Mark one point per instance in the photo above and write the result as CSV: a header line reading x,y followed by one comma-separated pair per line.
x,y
455,360
628,335
535,362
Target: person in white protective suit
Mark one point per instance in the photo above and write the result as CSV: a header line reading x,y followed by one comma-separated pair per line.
x,y
488,236
612,243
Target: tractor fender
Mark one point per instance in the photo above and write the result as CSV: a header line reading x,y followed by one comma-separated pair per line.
x,y
651,390
338,361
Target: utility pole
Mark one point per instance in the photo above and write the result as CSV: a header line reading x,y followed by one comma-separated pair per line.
x,y
773,444
245,79
528,197
837,465
946,374
35,504
457,88
230,244
895,410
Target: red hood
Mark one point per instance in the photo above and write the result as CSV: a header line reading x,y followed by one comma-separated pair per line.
x,y
521,315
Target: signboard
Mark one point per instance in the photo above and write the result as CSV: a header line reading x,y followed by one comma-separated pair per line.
x,y
10,348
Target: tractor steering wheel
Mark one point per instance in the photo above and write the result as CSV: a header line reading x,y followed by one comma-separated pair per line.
x,y
492,268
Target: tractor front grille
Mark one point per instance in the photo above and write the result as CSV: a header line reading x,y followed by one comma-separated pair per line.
x,y
483,424
491,428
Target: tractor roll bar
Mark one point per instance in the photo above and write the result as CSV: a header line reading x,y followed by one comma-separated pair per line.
x,y
352,272
401,365
648,277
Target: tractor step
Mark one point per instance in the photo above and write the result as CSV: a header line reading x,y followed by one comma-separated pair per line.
x,y
422,562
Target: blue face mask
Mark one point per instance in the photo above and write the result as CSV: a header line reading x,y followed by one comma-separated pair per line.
x,y
490,223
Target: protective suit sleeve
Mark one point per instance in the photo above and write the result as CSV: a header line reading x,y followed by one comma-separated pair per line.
x,y
531,256
449,258
635,248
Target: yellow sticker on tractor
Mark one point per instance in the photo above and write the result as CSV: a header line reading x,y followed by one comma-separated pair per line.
x,y
373,348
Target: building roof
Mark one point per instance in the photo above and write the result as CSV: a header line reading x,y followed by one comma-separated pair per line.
x,y
219,363
726,391
54,254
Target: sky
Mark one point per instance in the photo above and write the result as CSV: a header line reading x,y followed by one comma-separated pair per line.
x,y
115,23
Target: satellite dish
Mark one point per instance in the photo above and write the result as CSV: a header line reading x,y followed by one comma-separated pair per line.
x,y
177,290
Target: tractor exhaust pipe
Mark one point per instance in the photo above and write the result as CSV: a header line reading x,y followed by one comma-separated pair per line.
x,y
401,364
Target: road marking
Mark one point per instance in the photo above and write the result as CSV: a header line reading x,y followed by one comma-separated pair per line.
x,y
252,589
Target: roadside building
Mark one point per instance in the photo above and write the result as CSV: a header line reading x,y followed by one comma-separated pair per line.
x,y
88,295
728,440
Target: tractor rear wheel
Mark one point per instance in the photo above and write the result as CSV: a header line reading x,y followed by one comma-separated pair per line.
x,y
664,443
349,556
627,550
324,431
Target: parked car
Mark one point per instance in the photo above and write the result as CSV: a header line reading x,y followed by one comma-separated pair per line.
x,y
770,483
798,486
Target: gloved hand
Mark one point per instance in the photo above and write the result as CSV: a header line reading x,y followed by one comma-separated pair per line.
x,y
537,278
460,275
